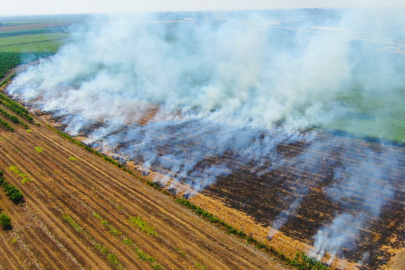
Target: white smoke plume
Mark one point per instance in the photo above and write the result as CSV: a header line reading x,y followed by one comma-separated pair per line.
x,y
234,89
231,72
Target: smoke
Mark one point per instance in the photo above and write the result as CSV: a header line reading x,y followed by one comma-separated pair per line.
x,y
198,101
363,189
231,72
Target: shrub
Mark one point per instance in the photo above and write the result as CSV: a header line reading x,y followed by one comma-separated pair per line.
x,y
5,221
16,196
14,193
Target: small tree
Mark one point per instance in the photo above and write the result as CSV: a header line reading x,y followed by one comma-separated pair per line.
x,y
5,221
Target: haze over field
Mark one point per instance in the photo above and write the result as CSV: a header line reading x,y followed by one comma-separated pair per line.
x,y
235,88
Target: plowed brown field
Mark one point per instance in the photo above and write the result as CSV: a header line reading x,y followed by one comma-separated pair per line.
x,y
42,237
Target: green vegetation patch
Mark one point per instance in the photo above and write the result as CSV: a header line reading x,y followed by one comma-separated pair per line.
x,y
142,225
8,80
73,159
48,46
11,191
38,149
5,221
35,31
73,223
200,266
17,171
24,39
12,56
182,253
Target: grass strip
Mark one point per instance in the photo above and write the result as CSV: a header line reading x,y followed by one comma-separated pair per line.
x,y
5,221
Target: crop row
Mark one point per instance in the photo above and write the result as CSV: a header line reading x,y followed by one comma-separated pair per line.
x,y
6,125
16,109
13,118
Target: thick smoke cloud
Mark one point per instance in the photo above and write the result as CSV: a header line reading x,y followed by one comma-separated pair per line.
x,y
224,95
232,72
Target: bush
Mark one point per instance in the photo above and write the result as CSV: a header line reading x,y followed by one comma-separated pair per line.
x,y
5,221
14,193
16,196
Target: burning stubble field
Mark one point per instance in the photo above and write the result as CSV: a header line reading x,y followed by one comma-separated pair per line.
x,y
81,212
292,135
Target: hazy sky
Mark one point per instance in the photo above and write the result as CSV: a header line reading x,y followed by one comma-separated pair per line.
x,y
19,7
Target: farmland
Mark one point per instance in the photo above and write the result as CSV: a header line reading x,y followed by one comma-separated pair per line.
x,y
163,187
271,195
84,212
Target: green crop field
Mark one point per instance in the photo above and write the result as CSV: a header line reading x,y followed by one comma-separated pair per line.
x,y
375,111
49,43
23,39
26,45
46,46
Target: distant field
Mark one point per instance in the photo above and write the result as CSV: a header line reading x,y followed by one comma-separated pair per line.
x,y
33,34
28,26
25,44
379,111
45,46
23,39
